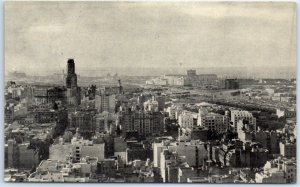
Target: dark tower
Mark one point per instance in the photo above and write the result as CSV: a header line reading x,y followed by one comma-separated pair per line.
x,y
71,66
71,80
120,87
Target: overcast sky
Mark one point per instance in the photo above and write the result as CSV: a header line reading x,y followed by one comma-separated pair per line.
x,y
41,36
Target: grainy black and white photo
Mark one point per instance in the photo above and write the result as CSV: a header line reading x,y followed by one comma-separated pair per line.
x,y
150,92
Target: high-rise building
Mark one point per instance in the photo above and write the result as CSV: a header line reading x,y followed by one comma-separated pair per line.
x,y
120,86
71,79
105,102
83,121
151,105
146,123
73,91
213,121
187,119
161,100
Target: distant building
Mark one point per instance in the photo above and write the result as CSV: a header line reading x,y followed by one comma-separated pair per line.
x,y
244,130
158,81
71,94
151,105
237,115
176,80
105,122
49,95
204,80
161,100
105,102
191,73
190,79
73,91
187,119
145,123
213,121
231,84
83,121
171,110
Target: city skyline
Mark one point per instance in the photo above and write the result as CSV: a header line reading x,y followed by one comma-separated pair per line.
x,y
143,35
150,92
237,72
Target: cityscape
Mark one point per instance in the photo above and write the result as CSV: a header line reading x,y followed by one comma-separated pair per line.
x,y
77,123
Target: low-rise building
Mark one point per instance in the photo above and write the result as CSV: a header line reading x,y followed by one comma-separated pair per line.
x,y
77,149
277,171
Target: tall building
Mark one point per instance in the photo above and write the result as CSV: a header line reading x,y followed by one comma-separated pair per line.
x,y
105,122
213,121
187,119
105,102
146,123
120,87
73,91
161,100
116,90
158,148
141,100
244,130
237,115
151,105
71,79
43,95
83,121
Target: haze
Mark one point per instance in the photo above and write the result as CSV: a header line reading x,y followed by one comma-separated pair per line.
x,y
41,36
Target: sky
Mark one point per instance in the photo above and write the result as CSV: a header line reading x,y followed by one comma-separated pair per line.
x,y
131,37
